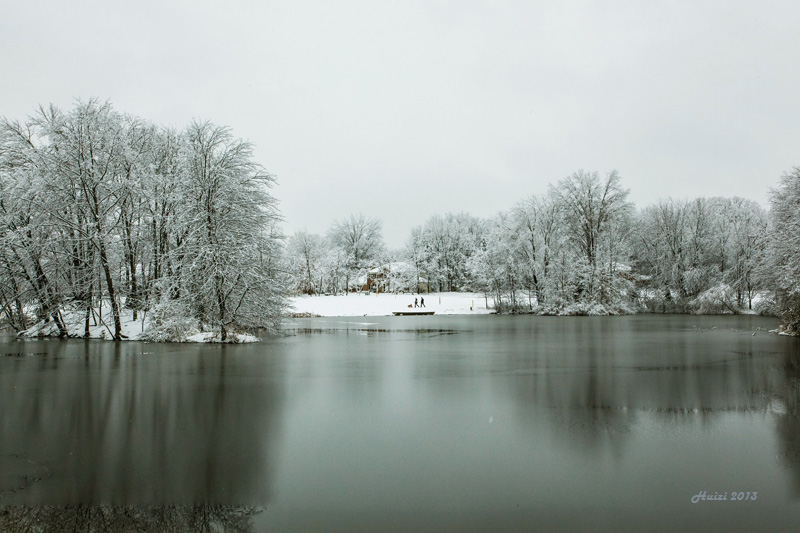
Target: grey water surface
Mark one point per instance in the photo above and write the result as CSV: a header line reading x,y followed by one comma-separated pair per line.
x,y
445,423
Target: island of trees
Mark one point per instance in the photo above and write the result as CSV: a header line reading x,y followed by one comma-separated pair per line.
x,y
103,209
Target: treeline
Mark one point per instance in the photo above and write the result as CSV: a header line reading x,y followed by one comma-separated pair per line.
x,y
98,206
582,248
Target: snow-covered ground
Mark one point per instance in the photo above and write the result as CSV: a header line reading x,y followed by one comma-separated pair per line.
x,y
354,304
447,303
102,327
358,304
233,338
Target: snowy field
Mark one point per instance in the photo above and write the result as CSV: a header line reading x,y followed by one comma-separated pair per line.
x,y
357,304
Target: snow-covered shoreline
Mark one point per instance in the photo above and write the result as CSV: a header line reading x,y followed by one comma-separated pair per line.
x,y
354,304
349,305
384,304
101,326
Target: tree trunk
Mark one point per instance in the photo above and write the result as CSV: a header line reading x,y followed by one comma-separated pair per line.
x,y
15,291
221,306
111,293
47,297
130,256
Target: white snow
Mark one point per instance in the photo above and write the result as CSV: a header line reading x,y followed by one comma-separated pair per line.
x,y
101,325
131,329
354,304
234,338
362,304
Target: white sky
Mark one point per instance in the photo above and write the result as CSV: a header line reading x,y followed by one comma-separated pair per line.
x,y
403,109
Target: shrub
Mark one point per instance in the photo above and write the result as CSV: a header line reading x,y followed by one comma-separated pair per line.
x,y
170,322
719,300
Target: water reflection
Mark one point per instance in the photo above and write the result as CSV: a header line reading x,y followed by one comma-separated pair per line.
x,y
708,409
787,403
595,383
381,425
197,518
92,423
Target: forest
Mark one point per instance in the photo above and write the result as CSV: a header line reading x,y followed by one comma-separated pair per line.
x,y
180,227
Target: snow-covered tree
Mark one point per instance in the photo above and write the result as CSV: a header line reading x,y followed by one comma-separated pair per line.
x,y
747,223
334,268
87,145
361,240
305,253
688,248
27,239
662,251
227,272
596,216
537,223
448,243
498,267
698,275
100,208
784,248
414,253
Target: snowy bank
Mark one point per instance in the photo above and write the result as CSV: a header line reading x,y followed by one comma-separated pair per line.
x,y
101,326
384,304
783,330
233,338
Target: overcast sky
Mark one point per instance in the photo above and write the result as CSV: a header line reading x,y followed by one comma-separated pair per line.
x,y
400,110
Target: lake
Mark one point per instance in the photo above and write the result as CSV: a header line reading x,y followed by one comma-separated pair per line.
x,y
451,423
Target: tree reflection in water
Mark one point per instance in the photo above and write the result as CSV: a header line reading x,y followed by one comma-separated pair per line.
x,y
788,424
596,388
90,429
118,519
545,415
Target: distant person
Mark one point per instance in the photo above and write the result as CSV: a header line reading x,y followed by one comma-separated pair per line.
x,y
415,303
421,301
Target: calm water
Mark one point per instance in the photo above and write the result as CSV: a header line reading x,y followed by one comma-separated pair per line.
x,y
410,423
